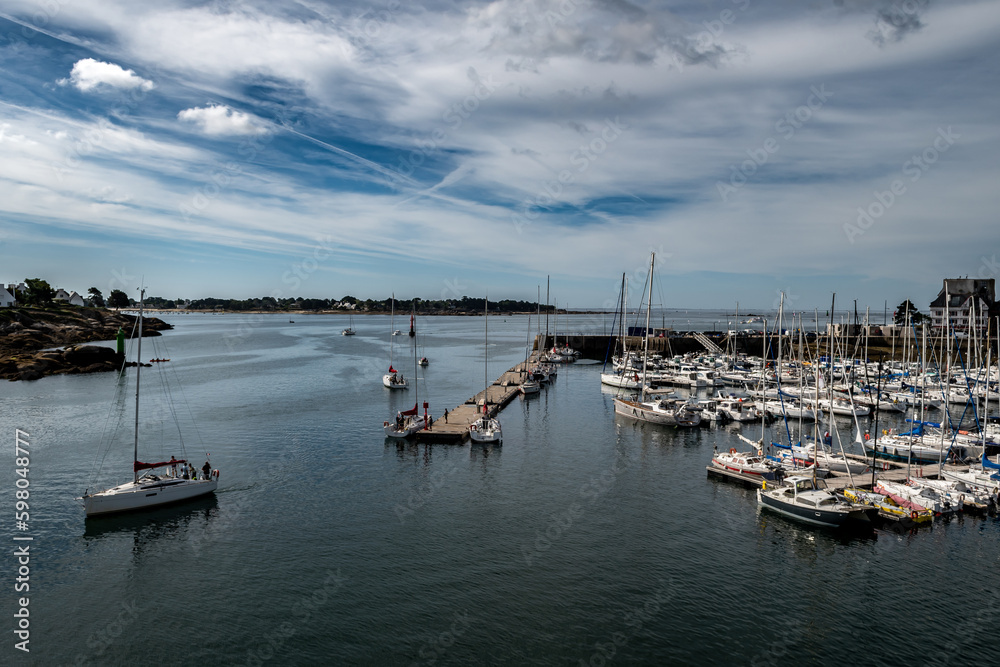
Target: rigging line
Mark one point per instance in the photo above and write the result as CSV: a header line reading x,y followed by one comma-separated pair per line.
x,y
165,387
187,405
118,401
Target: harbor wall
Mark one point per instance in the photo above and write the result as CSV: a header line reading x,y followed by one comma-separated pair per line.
x,y
596,346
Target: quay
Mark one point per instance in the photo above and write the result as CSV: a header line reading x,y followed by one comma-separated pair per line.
x,y
496,396
669,343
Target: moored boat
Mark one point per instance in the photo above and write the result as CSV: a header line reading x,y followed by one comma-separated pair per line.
x,y
806,499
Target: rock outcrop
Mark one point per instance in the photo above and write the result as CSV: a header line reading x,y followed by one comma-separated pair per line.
x,y
27,336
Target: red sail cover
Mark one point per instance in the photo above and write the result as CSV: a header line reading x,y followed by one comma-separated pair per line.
x,y
391,369
139,465
409,413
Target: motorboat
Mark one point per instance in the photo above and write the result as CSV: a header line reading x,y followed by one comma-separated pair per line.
x,y
807,500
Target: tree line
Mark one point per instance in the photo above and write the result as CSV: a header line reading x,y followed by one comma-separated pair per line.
x,y
40,293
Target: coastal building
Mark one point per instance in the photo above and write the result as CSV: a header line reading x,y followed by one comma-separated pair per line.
x,y
967,302
14,291
7,300
72,298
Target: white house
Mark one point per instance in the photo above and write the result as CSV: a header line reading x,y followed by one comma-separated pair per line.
x,y
72,298
6,298
967,303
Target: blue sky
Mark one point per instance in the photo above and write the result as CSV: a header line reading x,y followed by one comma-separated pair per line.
x,y
439,149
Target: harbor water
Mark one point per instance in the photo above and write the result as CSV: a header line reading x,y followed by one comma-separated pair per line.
x,y
584,539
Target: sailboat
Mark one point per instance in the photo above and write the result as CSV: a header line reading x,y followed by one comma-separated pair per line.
x,y
349,331
529,385
150,488
408,422
393,379
623,377
486,429
665,411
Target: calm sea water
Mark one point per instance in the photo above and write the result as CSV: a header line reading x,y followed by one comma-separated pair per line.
x,y
584,539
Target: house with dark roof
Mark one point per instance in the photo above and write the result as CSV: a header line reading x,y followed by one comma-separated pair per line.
x,y
966,302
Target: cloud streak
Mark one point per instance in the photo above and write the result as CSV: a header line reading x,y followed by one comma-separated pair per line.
x,y
416,133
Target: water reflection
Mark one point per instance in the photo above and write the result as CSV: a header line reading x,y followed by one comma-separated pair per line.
x,y
151,525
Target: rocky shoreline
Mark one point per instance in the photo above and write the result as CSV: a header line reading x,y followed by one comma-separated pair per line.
x,y
28,336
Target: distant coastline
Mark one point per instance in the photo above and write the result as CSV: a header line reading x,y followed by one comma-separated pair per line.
x,y
422,313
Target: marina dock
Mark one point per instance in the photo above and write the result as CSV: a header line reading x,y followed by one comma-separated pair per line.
x,y
456,429
890,471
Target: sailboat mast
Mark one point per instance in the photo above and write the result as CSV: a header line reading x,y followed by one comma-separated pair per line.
x,y
138,366
649,305
546,341
413,335
486,356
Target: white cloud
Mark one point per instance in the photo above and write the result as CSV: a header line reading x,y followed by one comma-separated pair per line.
x,y
89,74
220,119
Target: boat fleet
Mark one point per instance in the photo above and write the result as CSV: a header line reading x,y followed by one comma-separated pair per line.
x,y
814,393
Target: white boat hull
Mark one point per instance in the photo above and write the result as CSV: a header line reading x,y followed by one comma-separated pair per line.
x,y
146,494
394,381
648,412
620,381
408,427
485,431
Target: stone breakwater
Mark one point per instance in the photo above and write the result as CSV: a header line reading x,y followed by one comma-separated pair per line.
x,y
28,336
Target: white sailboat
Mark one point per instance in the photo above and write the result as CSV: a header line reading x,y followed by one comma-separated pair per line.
x,y
349,331
623,378
408,422
529,385
150,488
487,428
668,412
393,379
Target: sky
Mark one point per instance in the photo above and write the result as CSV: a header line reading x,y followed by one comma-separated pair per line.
x,y
448,148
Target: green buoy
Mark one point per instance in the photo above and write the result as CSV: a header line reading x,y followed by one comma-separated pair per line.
x,y
121,342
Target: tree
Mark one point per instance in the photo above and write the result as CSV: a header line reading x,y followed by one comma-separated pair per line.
x,y
96,297
39,292
904,309
118,299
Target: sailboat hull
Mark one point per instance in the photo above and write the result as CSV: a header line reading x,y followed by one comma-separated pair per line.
x,y
485,430
650,412
816,516
404,429
131,497
394,381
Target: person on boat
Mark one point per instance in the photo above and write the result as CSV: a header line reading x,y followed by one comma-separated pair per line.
x,y
184,472
173,466
206,470
192,473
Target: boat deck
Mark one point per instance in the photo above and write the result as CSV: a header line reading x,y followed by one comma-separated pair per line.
x,y
456,429
888,470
